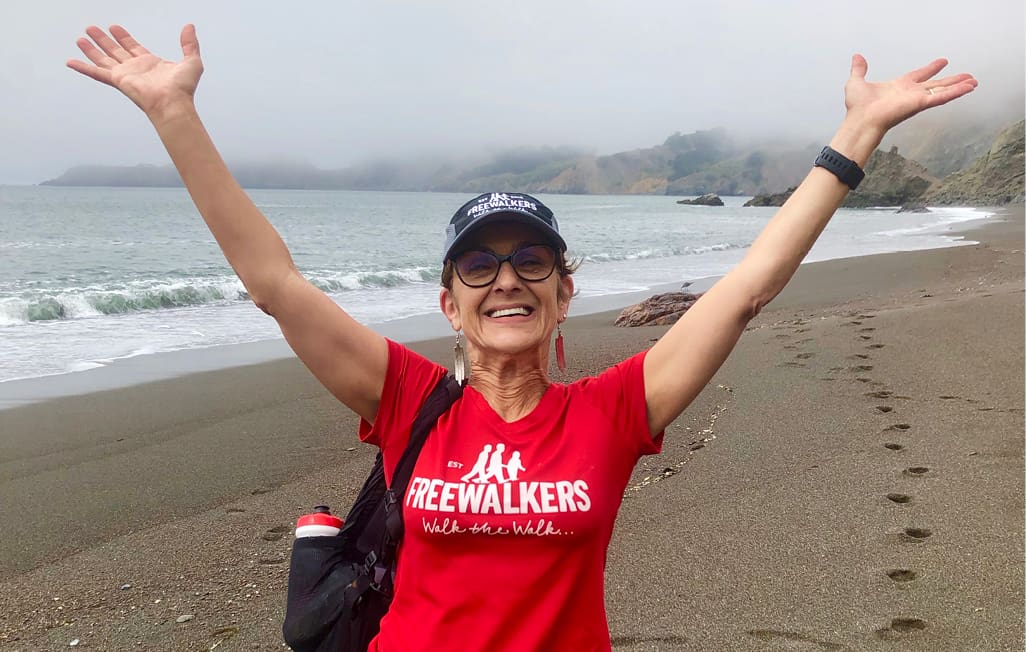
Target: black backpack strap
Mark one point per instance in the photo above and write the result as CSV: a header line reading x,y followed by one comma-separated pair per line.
x,y
445,393
438,401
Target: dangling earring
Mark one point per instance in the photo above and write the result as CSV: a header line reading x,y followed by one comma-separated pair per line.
x,y
560,351
461,364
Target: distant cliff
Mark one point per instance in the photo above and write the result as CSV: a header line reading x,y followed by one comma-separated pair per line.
x,y
994,178
697,163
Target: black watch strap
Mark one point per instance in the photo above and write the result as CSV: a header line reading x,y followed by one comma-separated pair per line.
x,y
842,167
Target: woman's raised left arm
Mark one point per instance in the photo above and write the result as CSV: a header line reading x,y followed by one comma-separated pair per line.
x,y
687,356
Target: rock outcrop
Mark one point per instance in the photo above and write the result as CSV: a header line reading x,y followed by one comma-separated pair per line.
x,y
776,199
657,310
708,199
995,178
914,207
891,180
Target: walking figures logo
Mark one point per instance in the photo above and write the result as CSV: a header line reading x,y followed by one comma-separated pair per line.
x,y
498,483
489,466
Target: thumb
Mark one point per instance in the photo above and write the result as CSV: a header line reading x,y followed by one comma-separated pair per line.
x,y
190,44
858,66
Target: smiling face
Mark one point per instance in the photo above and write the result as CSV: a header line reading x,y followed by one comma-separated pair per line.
x,y
509,319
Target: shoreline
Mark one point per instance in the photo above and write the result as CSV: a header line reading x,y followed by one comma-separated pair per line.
x,y
141,369
766,518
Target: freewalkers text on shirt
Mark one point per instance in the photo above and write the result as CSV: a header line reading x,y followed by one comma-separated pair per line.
x,y
493,486
435,495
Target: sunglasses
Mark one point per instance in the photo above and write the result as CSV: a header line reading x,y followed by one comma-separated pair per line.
x,y
480,268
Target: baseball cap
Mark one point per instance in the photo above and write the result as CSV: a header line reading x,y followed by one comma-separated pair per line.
x,y
501,207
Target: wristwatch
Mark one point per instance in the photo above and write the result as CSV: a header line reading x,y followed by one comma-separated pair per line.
x,y
841,166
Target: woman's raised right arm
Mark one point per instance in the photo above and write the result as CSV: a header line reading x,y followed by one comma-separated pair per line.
x,y
346,356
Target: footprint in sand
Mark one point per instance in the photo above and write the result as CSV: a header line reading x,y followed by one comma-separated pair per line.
x,y
867,329
884,408
857,356
905,625
900,499
916,471
897,426
794,640
891,446
865,316
805,356
875,346
275,533
861,367
948,397
883,393
865,337
900,627
864,380
916,534
901,574
234,510
782,336
792,364
806,340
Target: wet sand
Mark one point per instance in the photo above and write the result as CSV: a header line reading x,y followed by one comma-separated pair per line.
x,y
851,479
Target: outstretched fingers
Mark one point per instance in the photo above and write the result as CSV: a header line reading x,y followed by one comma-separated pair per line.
x,y
951,80
127,41
109,46
101,75
945,94
927,71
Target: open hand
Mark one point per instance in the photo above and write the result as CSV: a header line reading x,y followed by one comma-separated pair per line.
x,y
885,104
154,84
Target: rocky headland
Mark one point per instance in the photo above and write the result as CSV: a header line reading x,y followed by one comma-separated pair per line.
x,y
995,178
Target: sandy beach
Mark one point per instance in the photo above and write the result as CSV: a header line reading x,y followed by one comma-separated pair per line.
x,y
851,479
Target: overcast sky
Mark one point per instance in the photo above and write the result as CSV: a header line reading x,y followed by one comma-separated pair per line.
x,y
334,83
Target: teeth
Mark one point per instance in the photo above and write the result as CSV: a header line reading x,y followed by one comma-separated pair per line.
x,y
506,312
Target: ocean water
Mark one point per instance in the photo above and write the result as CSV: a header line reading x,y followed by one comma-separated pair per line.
x,y
91,276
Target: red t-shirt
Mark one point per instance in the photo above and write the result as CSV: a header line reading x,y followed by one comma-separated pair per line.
x,y
507,524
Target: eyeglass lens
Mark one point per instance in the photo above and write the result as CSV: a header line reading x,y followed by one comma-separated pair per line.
x,y
479,268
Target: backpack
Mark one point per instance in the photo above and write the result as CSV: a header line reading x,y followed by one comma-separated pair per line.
x,y
340,586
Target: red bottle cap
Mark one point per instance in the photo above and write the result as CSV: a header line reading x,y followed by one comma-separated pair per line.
x,y
319,518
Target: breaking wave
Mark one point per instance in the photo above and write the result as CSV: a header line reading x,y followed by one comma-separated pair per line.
x,y
605,257
115,299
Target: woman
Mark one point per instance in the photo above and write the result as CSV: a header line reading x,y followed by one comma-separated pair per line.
x,y
513,499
